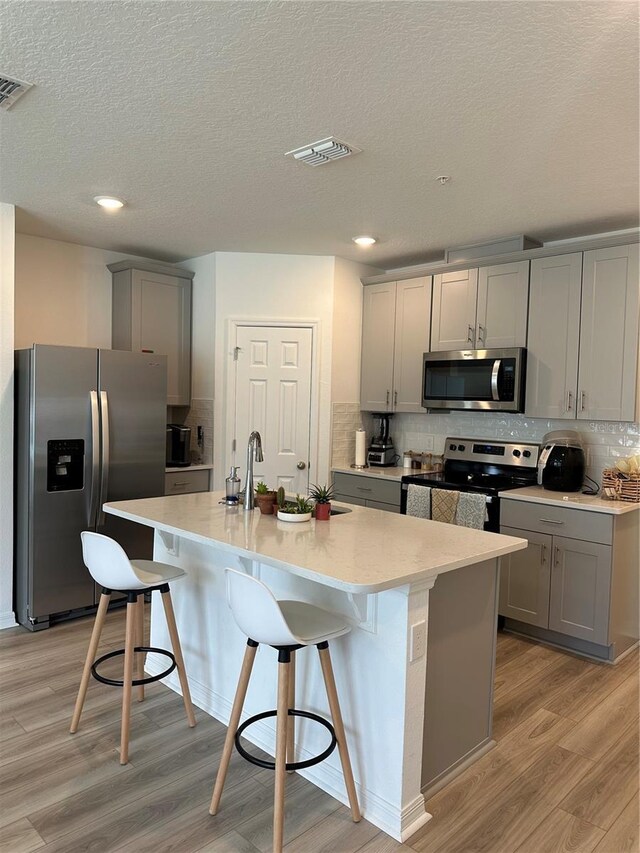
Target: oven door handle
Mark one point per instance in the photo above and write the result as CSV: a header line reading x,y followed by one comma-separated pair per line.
x,y
497,364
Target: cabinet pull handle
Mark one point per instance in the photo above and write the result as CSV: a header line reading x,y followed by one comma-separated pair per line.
x,y
569,401
175,485
482,334
395,398
363,489
470,334
387,398
556,559
583,401
551,521
543,554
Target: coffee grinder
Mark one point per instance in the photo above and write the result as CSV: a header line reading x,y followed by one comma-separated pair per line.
x,y
381,453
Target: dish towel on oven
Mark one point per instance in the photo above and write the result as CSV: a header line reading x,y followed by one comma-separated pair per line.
x,y
472,510
419,501
443,505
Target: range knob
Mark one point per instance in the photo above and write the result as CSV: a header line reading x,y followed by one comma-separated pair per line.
x,y
516,453
461,447
526,453
452,447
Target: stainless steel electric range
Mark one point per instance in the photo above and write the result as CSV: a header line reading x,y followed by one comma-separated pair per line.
x,y
481,465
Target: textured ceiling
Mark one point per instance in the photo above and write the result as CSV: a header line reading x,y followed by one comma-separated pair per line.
x,y
185,109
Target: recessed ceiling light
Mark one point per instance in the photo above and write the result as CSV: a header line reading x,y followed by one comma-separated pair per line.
x,y
108,202
443,179
365,241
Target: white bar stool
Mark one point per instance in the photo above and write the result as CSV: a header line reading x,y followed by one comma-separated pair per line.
x,y
286,626
112,570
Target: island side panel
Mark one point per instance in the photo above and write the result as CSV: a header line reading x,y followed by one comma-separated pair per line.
x,y
381,693
460,671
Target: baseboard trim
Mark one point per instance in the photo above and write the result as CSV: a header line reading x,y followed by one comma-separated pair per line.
x,y
7,620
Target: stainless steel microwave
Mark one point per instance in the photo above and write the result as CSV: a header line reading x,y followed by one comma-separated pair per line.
x,y
490,380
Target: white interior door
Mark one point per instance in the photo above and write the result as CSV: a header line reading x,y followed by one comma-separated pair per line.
x,y
273,396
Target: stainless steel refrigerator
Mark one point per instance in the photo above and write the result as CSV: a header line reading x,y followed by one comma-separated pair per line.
x,y
90,428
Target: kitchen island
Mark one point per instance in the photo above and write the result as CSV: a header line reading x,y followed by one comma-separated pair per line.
x,y
415,675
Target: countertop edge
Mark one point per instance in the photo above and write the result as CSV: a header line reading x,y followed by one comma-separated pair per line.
x,y
183,469
586,503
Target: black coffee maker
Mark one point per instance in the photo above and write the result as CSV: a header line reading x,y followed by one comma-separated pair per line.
x,y
561,464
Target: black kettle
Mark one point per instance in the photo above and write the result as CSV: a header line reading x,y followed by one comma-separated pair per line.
x,y
561,464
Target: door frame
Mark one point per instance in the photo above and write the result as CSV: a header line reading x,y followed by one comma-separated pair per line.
x,y
236,457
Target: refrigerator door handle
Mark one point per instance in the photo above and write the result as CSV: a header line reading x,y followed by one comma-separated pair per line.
x,y
104,474
95,459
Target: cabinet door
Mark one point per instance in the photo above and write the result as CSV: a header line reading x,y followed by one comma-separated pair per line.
x,y
580,585
161,323
454,310
553,338
378,327
609,335
503,295
413,323
525,578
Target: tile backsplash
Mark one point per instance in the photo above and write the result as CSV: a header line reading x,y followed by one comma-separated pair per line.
x,y
604,441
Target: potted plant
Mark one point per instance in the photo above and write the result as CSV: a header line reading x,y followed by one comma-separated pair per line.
x,y
322,496
295,511
265,498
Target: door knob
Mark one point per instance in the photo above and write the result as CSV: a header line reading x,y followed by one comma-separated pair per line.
x,y
301,466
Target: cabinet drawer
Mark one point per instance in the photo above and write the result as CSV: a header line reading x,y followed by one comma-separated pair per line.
x,y
177,483
383,506
369,488
558,520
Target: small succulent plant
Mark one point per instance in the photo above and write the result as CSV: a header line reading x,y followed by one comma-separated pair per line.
x,y
262,488
321,494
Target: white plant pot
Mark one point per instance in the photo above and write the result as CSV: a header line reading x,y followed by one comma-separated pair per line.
x,y
294,518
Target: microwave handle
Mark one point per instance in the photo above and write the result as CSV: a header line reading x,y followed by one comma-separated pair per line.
x,y
497,364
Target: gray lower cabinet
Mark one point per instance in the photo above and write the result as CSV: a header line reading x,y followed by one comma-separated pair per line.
x,y
361,490
525,579
576,584
185,482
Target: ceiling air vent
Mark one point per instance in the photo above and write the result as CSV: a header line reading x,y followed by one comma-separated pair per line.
x,y
323,151
11,90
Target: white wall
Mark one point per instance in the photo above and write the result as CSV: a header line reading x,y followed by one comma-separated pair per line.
x,y
62,293
7,263
274,287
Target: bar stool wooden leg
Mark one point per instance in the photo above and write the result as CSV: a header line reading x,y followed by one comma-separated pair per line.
x,y
127,678
177,651
236,711
91,656
334,705
291,728
140,642
281,753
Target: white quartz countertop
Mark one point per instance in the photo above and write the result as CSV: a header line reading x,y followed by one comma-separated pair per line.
x,y
378,473
574,500
362,551
382,473
181,469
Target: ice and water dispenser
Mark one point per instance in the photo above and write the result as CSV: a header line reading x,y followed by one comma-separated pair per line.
x,y
65,465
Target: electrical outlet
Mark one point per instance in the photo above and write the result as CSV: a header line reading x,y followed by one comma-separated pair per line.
x,y
418,641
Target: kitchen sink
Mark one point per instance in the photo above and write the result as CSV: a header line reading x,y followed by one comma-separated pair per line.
x,y
341,511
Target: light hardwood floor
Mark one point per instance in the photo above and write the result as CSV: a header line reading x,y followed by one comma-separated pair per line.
x,y
563,776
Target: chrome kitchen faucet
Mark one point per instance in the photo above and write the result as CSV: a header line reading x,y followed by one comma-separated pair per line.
x,y
254,451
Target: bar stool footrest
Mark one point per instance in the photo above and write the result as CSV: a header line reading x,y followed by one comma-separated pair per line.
x,y
118,682
294,765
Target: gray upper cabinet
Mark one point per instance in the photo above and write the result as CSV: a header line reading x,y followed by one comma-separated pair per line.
x,y
554,335
481,309
583,335
395,334
453,322
608,364
152,313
